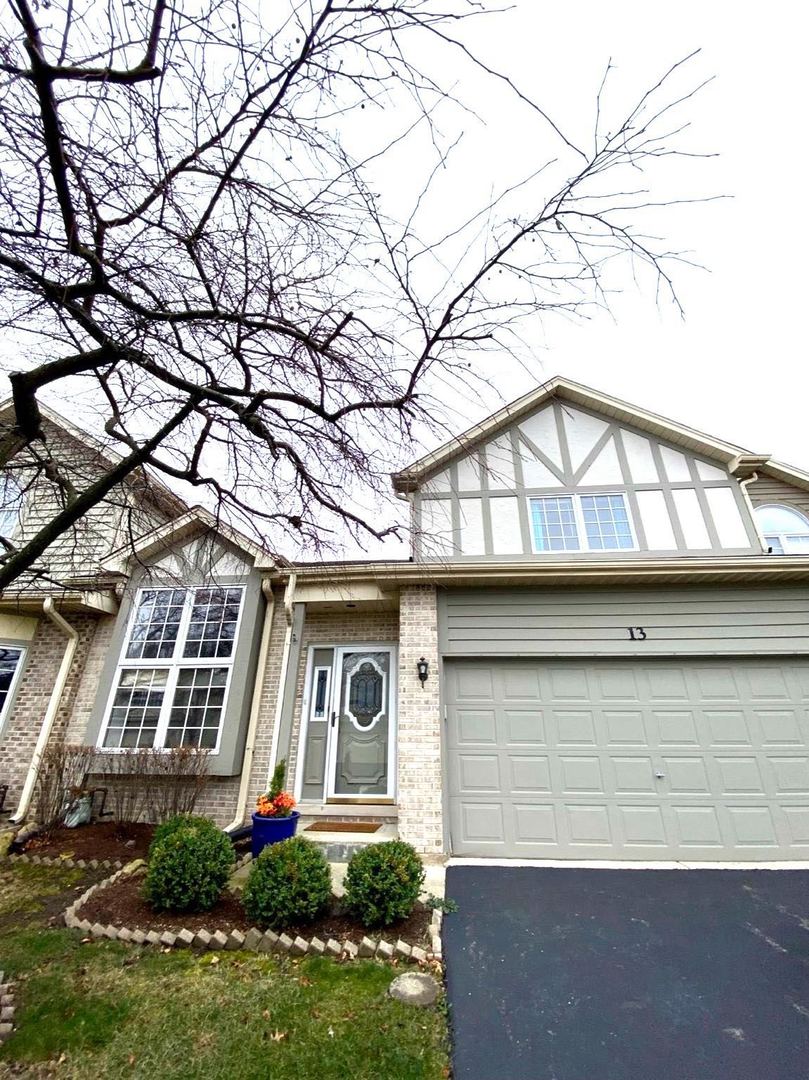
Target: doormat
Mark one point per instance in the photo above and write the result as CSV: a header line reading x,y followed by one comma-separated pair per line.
x,y
342,826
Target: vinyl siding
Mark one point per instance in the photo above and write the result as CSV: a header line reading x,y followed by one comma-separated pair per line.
x,y
767,489
528,622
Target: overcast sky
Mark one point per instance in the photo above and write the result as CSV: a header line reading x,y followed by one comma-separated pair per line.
x,y
736,366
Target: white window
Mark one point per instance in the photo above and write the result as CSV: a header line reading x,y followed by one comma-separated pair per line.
x,y
581,523
785,530
172,682
10,505
10,664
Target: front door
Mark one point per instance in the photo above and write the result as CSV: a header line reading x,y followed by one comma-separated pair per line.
x,y
361,736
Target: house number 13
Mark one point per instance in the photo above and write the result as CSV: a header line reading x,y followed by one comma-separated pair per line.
x,y
637,633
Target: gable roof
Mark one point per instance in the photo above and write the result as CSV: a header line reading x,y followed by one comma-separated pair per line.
x,y
195,521
737,460
162,495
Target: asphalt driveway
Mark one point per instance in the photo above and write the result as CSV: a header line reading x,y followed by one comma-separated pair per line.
x,y
572,974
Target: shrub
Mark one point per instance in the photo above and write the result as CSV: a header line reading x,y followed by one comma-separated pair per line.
x,y
60,778
179,821
383,882
290,882
189,866
177,778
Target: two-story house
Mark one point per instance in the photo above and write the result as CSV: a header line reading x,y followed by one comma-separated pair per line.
x,y
599,649
611,615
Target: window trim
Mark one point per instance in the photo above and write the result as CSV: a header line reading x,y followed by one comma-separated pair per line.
x,y
781,537
15,679
581,530
174,665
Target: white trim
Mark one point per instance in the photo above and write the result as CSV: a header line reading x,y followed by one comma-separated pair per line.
x,y
173,665
15,678
581,529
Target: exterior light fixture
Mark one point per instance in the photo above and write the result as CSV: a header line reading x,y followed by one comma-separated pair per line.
x,y
423,668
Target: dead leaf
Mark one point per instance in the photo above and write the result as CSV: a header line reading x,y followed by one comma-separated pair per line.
x,y
266,1014
132,1059
278,1036
304,981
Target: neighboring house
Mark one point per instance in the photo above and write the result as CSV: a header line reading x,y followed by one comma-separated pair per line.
x,y
599,649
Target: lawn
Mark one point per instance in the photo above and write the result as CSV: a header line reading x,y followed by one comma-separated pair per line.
x,y
94,1009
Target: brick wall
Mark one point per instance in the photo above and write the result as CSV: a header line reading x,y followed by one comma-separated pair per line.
x,y
419,752
22,726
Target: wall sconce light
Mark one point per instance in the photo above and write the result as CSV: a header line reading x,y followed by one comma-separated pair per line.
x,y
423,668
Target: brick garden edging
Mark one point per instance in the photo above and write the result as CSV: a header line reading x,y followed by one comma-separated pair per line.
x,y
6,1008
254,940
71,864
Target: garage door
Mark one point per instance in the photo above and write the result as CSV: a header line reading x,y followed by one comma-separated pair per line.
x,y
606,759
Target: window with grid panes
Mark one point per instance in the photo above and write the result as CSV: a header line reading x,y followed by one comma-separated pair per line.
x,y
581,523
172,681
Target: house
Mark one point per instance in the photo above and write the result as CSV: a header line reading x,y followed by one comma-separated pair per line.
x,y
598,649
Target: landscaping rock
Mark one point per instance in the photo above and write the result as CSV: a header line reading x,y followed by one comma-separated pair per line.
x,y
268,941
219,940
350,950
285,942
333,948
202,939
167,938
185,939
317,947
418,954
414,988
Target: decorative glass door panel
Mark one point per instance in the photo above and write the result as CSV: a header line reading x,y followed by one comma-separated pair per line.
x,y
361,735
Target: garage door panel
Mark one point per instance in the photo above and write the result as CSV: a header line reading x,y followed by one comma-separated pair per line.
x,y
542,762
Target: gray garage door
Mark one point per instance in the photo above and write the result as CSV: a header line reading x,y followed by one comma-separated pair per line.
x,y
684,759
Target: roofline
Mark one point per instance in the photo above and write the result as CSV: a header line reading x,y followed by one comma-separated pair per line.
x,y
752,569
409,478
114,457
195,519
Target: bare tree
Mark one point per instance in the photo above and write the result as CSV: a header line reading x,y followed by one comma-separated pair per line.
x,y
187,236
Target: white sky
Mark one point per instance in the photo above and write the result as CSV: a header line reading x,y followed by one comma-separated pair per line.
x,y
736,367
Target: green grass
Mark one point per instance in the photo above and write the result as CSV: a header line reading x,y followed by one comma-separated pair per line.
x,y
103,1009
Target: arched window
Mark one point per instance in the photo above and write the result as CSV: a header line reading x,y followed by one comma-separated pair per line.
x,y
785,530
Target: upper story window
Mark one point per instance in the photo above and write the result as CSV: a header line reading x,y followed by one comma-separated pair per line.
x,y
581,523
10,505
784,530
176,665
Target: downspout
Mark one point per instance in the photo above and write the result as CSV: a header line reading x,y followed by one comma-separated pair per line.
x,y
289,603
255,707
52,709
751,479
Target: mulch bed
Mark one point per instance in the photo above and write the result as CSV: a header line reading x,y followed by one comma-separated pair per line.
x,y
98,840
120,904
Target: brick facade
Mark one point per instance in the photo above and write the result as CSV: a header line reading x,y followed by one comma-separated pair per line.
x,y
36,684
419,750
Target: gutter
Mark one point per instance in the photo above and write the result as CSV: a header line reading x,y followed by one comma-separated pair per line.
x,y
751,479
289,603
255,709
52,709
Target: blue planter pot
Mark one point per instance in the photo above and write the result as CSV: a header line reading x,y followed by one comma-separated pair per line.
x,y
271,830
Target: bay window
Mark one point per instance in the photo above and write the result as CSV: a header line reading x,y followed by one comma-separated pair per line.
x,y
172,681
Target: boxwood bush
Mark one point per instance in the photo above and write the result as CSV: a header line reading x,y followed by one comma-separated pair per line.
x,y
190,862
383,882
179,821
290,882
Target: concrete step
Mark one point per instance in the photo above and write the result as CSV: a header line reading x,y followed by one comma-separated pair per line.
x,y
339,846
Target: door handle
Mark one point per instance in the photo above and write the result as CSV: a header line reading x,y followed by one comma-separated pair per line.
x,y
659,775
333,718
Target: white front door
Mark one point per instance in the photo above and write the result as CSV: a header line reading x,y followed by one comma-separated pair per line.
x,y
360,761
